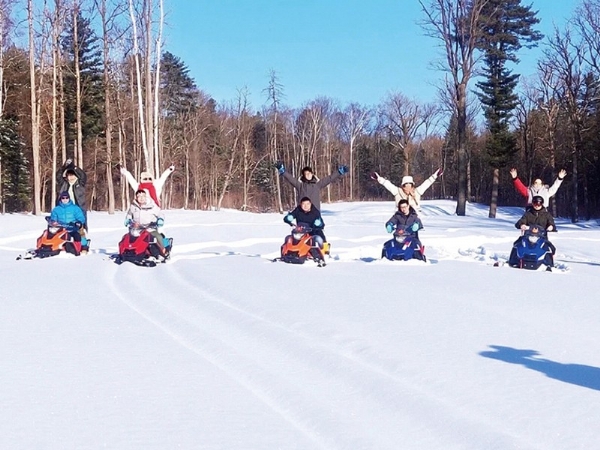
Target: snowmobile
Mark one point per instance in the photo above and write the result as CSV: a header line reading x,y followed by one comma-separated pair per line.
x,y
403,246
55,239
139,246
300,247
532,250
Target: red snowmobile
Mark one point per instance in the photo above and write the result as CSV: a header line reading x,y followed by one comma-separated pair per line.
x,y
139,247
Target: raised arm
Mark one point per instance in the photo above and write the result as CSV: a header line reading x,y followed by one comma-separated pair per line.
x,y
428,182
290,179
557,182
158,184
132,181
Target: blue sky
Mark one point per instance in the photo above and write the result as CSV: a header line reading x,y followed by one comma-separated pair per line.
x,y
348,50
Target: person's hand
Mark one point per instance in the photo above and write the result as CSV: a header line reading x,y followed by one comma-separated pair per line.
x,y
513,173
171,167
318,222
389,227
562,174
550,228
439,172
68,162
128,222
343,170
122,170
415,227
280,167
524,227
160,222
78,224
290,219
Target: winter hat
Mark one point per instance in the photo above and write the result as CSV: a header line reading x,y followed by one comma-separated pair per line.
x,y
537,199
146,175
64,194
407,180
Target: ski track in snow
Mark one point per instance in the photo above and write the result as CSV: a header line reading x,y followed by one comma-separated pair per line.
x,y
240,343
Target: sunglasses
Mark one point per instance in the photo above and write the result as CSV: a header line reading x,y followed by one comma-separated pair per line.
x,y
538,203
146,179
65,198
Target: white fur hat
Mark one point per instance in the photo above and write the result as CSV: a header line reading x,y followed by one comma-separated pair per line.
x,y
146,175
407,180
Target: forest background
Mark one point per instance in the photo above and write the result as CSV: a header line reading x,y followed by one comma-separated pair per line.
x,y
93,80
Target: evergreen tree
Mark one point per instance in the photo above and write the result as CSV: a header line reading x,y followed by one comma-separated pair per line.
x,y
14,189
179,94
91,70
505,26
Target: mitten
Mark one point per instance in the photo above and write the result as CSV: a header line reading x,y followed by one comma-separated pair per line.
x,y
78,225
289,219
389,227
280,167
415,227
127,222
439,172
318,223
343,170
160,222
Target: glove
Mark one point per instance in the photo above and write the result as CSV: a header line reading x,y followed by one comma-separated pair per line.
x,y
318,223
280,167
290,219
68,162
374,176
343,170
122,170
128,222
439,172
172,167
160,222
415,227
389,227
78,225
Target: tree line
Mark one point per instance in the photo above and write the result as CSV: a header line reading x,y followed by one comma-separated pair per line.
x,y
94,82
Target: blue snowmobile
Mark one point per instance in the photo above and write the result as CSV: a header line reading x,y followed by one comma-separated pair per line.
x,y
403,246
532,250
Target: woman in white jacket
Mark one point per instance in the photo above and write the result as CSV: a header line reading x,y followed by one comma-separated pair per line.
x,y
144,212
407,190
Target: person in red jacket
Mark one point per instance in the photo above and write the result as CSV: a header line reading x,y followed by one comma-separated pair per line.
x,y
537,188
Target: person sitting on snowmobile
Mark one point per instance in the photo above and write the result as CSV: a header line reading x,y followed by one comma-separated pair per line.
x,y
405,218
69,216
537,215
306,213
144,212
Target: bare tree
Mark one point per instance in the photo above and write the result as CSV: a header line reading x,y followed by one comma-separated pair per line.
x,y
355,120
455,23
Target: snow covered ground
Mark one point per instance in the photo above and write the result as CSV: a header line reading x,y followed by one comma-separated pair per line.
x,y
221,348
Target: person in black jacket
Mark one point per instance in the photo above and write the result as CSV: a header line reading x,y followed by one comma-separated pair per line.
x,y
536,216
72,179
306,214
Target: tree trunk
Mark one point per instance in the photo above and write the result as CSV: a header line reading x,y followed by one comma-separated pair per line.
x,y
35,118
494,202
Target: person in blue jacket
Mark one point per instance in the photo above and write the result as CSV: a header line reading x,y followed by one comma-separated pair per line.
x,y
70,216
306,214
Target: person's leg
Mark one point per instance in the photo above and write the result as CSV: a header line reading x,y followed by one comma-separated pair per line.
x,y
159,240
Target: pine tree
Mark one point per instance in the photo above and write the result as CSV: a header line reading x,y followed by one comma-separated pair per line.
x,y
15,193
505,26
179,93
91,69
